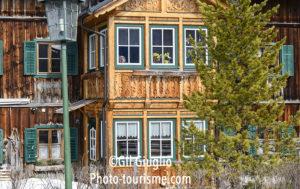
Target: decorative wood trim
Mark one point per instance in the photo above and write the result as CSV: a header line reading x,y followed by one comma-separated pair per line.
x,y
164,73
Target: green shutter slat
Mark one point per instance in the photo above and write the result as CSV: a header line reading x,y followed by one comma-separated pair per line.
x,y
72,59
30,145
1,57
1,147
287,59
29,58
74,143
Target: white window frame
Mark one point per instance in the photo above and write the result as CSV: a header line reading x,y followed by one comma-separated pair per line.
x,y
92,52
93,148
103,48
128,45
101,139
196,30
187,124
161,139
163,46
116,140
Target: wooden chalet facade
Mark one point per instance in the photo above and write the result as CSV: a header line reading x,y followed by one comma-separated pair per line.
x,y
129,72
139,72
30,85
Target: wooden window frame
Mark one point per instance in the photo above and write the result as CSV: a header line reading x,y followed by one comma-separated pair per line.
x,y
173,46
195,29
127,140
103,48
140,46
161,139
93,144
50,144
92,65
186,124
49,59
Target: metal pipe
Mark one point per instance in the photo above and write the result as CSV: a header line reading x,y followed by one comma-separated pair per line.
x,y
66,121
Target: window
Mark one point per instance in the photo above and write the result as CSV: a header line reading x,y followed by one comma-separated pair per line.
x,y
163,46
103,48
161,139
48,58
49,144
189,140
93,144
92,51
194,34
129,48
127,139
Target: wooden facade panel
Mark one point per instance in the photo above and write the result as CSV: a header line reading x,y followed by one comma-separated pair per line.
x,y
165,87
94,87
129,86
142,6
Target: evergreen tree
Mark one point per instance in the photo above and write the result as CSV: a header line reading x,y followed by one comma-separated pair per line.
x,y
240,97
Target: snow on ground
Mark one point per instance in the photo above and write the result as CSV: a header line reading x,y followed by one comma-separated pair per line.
x,y
37,183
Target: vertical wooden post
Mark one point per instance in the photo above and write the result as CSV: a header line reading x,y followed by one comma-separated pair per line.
x,y
147,41
97,134
109,136
111,56
178,129
180,45
145,132
85,140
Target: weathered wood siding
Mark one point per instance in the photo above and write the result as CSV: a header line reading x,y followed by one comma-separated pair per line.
x,y
21,20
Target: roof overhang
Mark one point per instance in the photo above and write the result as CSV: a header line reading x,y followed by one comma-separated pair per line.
x,y
76,105
14,101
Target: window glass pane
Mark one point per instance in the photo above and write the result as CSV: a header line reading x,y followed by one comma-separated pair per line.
x,y
199,125
55,136
92,43
134,37
55,67
155,148
157,37
189,50
188,35
188,146
155,132
55,51
121,148
132,131
121,131
168,55
43,50
43,137
199,37
133,148
123,36
43,65
168,37
166,148
43,151
56,144
157,57
92,59
134,54
123,55
166,130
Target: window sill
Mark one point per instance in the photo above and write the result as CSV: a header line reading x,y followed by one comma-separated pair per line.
x,y
47,168
173,73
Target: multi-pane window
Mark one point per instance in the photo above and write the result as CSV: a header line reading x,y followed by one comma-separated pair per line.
x,y
127,139
92,51
49,144
161,139
129,45
103,47
162,46
93,144
192,37
189,140
48,58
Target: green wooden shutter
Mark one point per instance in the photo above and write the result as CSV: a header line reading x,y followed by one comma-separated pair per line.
x,y
1,58
29,58
30,145
74,143
72,59
287,59
1,146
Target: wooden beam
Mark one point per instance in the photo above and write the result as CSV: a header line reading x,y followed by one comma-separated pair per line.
x,y
111,55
